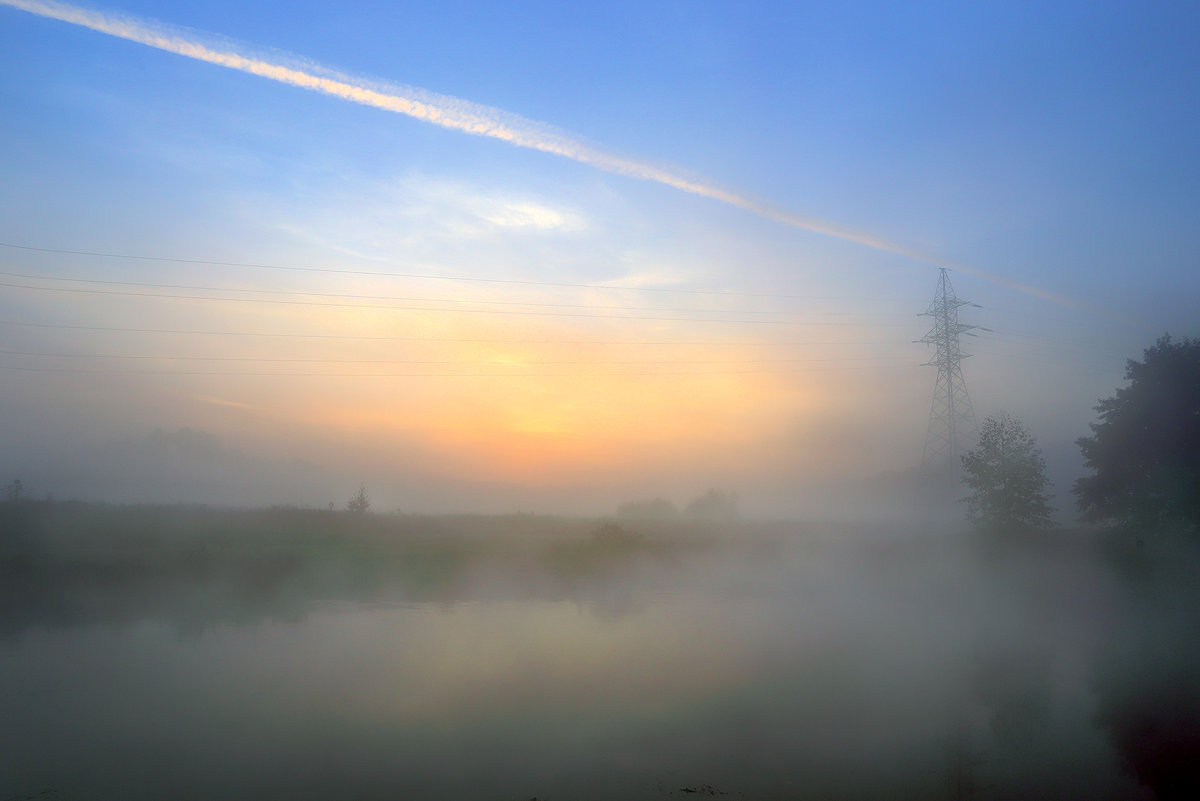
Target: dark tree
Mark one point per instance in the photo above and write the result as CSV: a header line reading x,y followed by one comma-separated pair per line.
x,y
1145,451
1007,478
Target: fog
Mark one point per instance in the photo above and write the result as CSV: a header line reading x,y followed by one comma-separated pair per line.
x,y
194,466
599,401
154,652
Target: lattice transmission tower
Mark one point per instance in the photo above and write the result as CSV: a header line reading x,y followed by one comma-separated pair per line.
x,y
952,426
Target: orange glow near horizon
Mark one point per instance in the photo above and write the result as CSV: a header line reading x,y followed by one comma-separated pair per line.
x,y
546,428
533,400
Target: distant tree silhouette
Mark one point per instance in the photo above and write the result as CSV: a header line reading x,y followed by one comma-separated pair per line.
x,y
359,502
1145,451
13,492
613,535
648,508
715,504
1007,478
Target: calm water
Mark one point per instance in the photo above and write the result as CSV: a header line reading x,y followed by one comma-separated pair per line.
x,y
812,671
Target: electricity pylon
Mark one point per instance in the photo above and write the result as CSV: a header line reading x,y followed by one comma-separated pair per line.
x,y
951,420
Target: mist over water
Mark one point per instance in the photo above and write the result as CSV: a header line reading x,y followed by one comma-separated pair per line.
x,y
318,391
504,658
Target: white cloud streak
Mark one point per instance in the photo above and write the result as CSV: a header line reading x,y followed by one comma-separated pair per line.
x,y
472,118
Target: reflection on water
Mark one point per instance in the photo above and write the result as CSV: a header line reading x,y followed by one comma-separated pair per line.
x,y
790,667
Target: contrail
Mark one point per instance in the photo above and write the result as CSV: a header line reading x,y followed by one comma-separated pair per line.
x,y
472,118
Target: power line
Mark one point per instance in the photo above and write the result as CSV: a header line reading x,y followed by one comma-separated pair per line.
x,y
654,373
1088,366
588,362
421,276
301,293
385,306
440,362
1005,336
1059,350
383,338
1057,316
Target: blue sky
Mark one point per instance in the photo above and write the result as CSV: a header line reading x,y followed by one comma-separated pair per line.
x,y
1050,147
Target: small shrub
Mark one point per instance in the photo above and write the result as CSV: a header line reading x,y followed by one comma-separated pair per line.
x,y
359,503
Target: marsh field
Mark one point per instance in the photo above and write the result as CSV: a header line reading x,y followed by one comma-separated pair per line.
x,y
180,652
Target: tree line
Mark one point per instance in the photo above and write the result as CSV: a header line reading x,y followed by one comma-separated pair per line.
x,y
1143,454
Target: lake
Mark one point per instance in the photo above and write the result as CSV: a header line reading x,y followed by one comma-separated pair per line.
x,y
788,665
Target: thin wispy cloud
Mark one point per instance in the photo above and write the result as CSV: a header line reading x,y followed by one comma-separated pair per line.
x,y
468,117
476,210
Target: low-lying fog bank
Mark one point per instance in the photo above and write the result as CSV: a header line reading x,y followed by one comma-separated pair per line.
x,y
165,651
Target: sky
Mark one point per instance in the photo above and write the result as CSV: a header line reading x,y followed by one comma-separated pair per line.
x,y
549,257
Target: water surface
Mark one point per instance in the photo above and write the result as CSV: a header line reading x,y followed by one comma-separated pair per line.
x,y
789,666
